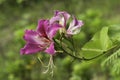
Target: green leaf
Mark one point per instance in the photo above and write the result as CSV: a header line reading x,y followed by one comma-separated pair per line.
x,y
98,44
110,60
114,32
115,70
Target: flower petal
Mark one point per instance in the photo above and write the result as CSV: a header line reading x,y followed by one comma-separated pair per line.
x,y
63,13
52,30
74,27
55,19
42,27
30,49
50,49
61,16
33,37
30,35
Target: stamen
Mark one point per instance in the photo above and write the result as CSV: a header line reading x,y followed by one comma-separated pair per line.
x,y
40,61
50,67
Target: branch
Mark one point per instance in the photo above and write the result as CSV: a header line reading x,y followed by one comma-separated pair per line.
x,y
88,59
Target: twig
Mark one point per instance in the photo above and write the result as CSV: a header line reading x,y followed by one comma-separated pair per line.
x,y
88,59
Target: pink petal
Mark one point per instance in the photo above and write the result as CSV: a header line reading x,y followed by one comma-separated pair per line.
x,y
52,30
74,27
33,37
30,49
54,19
63,13
30,36
42,27
50,49
75,22
62,16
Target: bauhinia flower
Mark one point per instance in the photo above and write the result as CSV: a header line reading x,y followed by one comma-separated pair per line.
x,y
40,39
62,18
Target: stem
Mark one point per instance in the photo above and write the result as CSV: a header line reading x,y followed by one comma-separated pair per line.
x,y
72,41
85,59
88,59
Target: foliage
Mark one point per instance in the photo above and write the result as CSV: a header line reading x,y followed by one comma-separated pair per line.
x,y
113,59
98,44
18,15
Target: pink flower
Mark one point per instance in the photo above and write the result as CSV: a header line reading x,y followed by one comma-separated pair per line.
x,y
62,18
41,39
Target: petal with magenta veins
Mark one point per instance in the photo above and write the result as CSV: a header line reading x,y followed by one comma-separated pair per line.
x,y
74,27
55,19
42,27
62,13
64,17
30,49
50,49
30,35
33,37
52,30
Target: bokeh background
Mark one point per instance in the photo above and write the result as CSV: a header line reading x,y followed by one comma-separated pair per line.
x,y
18,15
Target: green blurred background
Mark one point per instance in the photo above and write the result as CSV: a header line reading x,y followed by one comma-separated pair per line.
x,y
18,15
